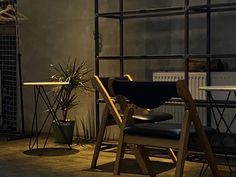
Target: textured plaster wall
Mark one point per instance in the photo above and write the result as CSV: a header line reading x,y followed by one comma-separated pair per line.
x,y
59,29
55,31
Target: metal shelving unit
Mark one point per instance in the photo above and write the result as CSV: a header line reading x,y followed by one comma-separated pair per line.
x,y
186,10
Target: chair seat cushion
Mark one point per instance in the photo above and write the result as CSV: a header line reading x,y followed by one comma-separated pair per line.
x,y
162,130
152,117
145,117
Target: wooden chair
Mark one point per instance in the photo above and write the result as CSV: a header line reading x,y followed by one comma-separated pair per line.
x,y
101,84
153,95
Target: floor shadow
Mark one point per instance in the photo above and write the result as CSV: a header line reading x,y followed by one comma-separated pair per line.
x,y
51,152
131,166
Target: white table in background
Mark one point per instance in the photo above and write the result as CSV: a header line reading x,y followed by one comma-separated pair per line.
x,y
230,91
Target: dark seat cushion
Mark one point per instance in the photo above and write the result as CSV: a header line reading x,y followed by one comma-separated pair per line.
x,y
162,130
145,117
152,117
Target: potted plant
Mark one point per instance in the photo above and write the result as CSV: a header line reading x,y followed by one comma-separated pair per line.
x,y
77,74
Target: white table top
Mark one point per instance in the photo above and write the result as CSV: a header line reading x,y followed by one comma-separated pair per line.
x,y
219,88
45,83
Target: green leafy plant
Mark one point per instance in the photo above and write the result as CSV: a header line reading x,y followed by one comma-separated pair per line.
x,y
78,76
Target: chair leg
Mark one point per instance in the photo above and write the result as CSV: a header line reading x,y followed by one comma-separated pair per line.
x,y
146,161
139,158
119,155
183,145
100,138
172,155
180,163
207,149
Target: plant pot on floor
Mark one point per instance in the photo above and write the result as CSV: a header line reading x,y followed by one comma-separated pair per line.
x,y
68,129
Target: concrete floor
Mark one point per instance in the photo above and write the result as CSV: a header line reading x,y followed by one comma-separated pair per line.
x,y
58,161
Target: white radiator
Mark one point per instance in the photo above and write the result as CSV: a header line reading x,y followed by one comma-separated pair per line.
x,y
197,79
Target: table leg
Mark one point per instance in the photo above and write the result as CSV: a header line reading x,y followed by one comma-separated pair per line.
x,y
222,121
58,97
53,113
35,121
221,113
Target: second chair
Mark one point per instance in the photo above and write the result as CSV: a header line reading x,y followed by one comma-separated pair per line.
x,y
101,85
153,95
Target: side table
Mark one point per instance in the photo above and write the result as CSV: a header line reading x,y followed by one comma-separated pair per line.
x,y
52,106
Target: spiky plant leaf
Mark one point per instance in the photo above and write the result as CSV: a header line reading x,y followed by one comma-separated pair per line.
x,y
77,74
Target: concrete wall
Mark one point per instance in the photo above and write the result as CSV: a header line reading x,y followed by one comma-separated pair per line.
x,y
55,31
60,29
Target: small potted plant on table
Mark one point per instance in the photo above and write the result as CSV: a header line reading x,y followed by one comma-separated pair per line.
x,y
77,74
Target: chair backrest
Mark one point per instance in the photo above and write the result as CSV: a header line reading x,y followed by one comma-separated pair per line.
x,y
105,80
146,95
142,94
